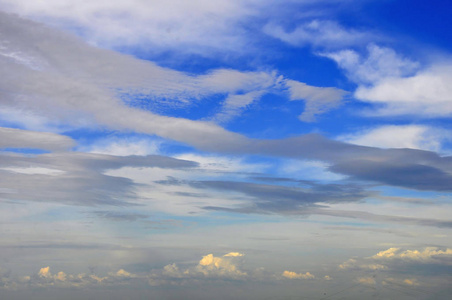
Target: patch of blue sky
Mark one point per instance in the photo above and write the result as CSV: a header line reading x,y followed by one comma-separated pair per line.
x,y
25,151
219,218
359,224
428,21
273,117
432,197
180,107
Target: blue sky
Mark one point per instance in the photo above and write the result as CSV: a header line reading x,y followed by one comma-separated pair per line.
x,y
228,149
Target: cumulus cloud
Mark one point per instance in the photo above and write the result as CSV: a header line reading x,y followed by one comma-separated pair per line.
x,y
124,273
427,255
399,281
45,278
354,264
211,265
367,280
294,275
386,253
394,263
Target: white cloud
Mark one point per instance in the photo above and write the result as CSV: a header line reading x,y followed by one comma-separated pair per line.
x,y
399,281
399,136
81,86
380,64
211,265
396,84
197,25
45,278
366,280
217,163
45,272
226,266
354,264
123,273
391,252
173,271
319,33
22,118
428,254
234,254
35,171
124,147
307,170
428,93
294,275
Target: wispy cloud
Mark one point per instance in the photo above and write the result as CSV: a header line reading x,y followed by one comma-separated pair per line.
x,y
320,33
399,136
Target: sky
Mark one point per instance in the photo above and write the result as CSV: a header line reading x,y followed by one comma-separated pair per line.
x,y
227,149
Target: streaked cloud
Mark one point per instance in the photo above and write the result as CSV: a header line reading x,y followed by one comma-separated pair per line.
x,y
399,136
17,138
318,100
323,33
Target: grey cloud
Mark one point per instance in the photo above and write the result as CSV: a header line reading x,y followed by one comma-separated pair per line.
x,y
71,75
63,81
367,229
410,168
86,188
318,100
384,218
75,160
80,180
193,195
286,200
70,246
407,200
17,138
78,85
275,199
416,176
120,216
